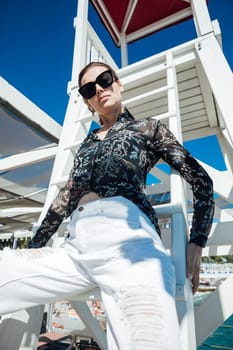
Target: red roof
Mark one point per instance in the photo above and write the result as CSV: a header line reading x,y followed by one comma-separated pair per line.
x,y
138,18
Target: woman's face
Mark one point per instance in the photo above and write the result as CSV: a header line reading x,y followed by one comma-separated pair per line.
x,y
106,99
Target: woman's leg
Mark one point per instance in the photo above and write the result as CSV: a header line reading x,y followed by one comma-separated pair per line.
x,y
125,257
140,303
30,277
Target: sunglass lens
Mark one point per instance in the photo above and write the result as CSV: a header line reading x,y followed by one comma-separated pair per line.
x,y
88,90
105,79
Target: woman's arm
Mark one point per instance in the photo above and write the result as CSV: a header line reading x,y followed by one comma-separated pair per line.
x,y
56,213
180,159
172,152
52,220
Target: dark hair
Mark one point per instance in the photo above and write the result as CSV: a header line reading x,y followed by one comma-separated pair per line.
x,y
96,64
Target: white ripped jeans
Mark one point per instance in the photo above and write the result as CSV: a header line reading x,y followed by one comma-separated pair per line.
x,y
114,246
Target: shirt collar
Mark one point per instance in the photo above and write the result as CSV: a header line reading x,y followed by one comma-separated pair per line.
x,y
123,117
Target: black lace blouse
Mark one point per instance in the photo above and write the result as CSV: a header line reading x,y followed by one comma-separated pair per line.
x,y
118,165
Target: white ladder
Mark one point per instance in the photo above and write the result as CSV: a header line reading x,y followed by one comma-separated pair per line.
x,y
75,128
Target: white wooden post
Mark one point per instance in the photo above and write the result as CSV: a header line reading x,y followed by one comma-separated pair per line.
x,y
80,40
184,300
201,17
124,50
219,75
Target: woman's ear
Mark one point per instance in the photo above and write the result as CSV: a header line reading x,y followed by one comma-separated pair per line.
x,y
89,106
119,82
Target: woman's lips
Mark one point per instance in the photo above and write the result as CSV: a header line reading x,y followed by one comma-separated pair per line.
x,y
103,98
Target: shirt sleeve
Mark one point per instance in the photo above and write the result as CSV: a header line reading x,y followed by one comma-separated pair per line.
x,y
173,153
58,210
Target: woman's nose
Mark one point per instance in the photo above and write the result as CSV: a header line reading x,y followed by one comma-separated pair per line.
x,y
98,88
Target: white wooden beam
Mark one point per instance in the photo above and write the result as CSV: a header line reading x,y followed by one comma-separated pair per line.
x,y
80,24
219,75
227,151
11,212
34,193
128,15
156,26
28,109
26,325
91,323
214,310
124,50
27,158
104,14
208,97
221,234
223,182
201,17
214,250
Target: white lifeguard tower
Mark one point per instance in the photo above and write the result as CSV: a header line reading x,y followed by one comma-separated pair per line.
x,y
190,88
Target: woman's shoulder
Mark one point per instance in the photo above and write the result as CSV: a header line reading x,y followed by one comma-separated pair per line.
x,y
149,123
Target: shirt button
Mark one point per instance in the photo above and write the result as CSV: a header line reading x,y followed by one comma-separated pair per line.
x,y
81,208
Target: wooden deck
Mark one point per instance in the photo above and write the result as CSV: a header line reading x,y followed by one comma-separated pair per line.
x,y
222,338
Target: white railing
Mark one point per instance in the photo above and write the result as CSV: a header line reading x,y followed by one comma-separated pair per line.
x,y
95,49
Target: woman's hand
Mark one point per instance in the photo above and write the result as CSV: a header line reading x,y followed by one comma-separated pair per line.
x,y
193,261
34,245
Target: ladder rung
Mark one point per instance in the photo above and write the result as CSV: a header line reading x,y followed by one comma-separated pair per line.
x,y
164,115
153,71
168,209
180,293
84,118
72,146
60,182
151,94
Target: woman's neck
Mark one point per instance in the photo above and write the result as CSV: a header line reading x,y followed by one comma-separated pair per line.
x,y
109,119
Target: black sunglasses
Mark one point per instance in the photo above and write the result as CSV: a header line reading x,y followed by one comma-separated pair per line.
x,y
88,90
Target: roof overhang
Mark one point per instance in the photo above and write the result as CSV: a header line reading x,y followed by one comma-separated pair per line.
x,y
28,145
138,18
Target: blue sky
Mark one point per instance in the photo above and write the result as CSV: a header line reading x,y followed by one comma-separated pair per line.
x,y
37,48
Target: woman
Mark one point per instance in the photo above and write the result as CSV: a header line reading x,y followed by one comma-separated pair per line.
x,y
114,239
